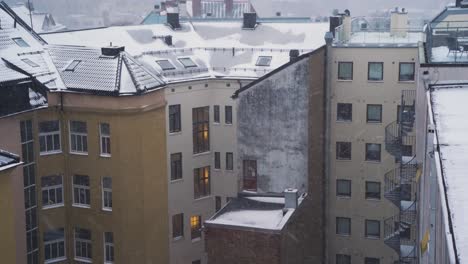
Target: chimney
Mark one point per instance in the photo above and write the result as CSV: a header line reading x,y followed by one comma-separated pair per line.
x,y
347,25
399,23
168,40
112,51
335,21
157,9
293,54
196,8
250,21
173,20
290,198
229,7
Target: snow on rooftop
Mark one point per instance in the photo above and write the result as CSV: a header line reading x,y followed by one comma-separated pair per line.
x,y
385,38
442,54
265,219
449,104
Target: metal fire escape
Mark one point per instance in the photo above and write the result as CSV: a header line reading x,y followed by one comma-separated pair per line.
x,y
400,183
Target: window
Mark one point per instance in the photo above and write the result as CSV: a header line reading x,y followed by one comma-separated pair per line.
x,y
229,161
228,114
343,259
187,62
373,190
174,119
263,61
343,188
81,195
375,71
373,152
107,193
83,249
201,129
176,166
343,226
407,150
216,114
195,226
30,63
54,245
249,175
374,113
371,261
196,261
78,137
104,130
165,65
373,228
343,150
72,66
108,247
217,203
178,225
52,191
344,112
217,161
20,42
406,71
49,137
345,70
201,180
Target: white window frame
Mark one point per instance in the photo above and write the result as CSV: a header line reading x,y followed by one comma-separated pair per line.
x,y
106,245
51,134
48,188
77,134
104,191
56,243
102,137
79,240
81,187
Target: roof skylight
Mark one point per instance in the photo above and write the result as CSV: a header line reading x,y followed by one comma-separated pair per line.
x,y
20,42
72,65
263,61
187,62
165,65
30,62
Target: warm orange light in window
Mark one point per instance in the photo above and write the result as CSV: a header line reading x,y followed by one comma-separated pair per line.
x,y
205,135
195,221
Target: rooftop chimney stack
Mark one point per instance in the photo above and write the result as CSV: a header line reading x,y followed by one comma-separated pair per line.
x,y
250,21
112,51
293,54
399,23
173,20
168,40
290,198
346,18
335,21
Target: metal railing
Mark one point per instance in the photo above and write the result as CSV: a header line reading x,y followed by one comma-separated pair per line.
x,y
447,41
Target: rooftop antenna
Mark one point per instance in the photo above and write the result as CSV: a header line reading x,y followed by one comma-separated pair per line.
x,y
30,13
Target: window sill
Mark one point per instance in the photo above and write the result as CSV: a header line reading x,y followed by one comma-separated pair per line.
x,y
375,81
373,161
84,260
344,235
341,197
216,124
344,160
179,238
84,206
176,181
372,238
407,82
202,154
202,198
107,209
175,133
344,121
195,240
229,125
373,199
341,80
49,153
79,153
374,122
55,260
52,206
105,155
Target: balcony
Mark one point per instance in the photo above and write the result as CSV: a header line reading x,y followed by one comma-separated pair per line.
x,y
447,42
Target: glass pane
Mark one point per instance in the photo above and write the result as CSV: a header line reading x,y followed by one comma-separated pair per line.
x,y
375,71
374,113
345,71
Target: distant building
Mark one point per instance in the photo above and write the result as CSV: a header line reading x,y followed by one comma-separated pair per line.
x,y
41,22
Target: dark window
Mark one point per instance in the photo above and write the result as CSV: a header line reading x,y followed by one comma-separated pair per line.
x,y
372,261
217,160
229,161
195,226
407,115
30,63
343,188
176,166
372,190
217,203
107,193
52,191
406,192
216,114
54,245
201,129
83,248
79,136
344,112
187,62
201,182
49,137
104,131
263,61
375,71
228,114
20,42
343,226
373,228
407,150
250,175
72,66
343,259
165,65
196,262
406,71
345,70
174,118
343,150
373,152
109,247
374,113
178,225
81,194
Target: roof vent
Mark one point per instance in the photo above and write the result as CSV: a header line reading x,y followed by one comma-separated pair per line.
x,y
112,51
250,21
173,20
290,198
293,54
168,40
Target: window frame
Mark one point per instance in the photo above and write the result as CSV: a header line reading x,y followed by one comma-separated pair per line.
x,y
269,58
109,246
201,130
217,160
21,42
56,243
414,72
337,224
368,154
176,166
338,112
339,143
369,72
105,139
165,68
175,119
229,161
344,195
83,136
216,114
181,215
87,190
55,188
108,191
339,70
87,242
192,65
45,135
228,114
202,182
367,194
366,234
30,62
376,121
71,67
195,227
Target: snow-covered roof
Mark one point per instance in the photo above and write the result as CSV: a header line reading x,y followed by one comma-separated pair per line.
x,y
219,49
41,22
448,105
8,160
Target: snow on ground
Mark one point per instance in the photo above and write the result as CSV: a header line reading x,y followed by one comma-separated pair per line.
x,y
266,219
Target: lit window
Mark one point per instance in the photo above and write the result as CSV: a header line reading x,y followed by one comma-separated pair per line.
x,y
201,129
81,194
345,70
263,61
107,193
343,226
20,42
49,137
373,228
373,190
373,152
187,62
201,182
78,137
375,71
195,226
30,63
104,130
343,188
54,245
109,247
176,166
165,65
72,66
52,191
178,225
83,251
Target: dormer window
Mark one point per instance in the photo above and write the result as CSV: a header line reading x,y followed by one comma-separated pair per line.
x,y
20,42
72,66
264,61
30,63
165,65
187,62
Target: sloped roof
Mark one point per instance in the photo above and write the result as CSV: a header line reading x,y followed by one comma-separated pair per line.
x,y
41,22
8,75
8,160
